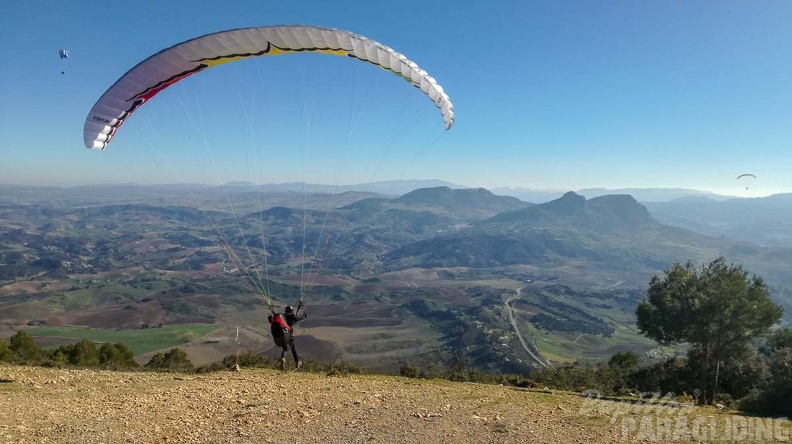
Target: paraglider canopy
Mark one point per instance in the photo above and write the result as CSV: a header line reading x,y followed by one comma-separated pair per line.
x,y
182,60
63,54
744,176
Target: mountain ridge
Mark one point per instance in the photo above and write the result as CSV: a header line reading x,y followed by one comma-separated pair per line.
x,y
604,212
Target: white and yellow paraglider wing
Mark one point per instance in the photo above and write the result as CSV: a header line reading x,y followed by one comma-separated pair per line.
x,y
180,61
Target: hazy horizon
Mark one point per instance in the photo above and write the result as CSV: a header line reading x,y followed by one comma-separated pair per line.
x,y
362,186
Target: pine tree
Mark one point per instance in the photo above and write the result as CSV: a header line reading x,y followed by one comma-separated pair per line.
x,y
717,309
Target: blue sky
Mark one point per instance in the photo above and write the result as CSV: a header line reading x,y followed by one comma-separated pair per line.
x,y
548,95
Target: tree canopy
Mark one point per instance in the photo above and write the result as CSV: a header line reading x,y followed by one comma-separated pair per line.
x,y
24,348
717,308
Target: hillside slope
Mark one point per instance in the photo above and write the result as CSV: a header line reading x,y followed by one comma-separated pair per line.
x,y
51,405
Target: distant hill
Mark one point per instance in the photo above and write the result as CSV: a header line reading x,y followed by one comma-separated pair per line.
x,y
765,221
192,194
239,196
640,194
651,194
391,188
466,205
609,233
602,213
476,201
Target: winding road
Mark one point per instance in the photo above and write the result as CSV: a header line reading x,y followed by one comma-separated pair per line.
x,y
528,347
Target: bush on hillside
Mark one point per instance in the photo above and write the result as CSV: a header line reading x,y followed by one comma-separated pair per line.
x,y
6,355
25,349
116,357
174,360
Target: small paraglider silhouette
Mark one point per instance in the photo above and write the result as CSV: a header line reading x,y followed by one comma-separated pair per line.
x,y
63,54
745,175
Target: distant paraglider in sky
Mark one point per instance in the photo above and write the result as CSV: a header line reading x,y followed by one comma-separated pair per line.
x,y
63,54
746,177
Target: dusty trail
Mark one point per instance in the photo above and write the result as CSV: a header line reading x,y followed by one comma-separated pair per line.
x,y
532,351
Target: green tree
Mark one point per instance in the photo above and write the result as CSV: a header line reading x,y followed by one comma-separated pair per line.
x,y
734,376
717,309
59,357
672,375
777,341
775,395
157,362
6,355
25,349
84,354
622,364
174,360
624,360
116,357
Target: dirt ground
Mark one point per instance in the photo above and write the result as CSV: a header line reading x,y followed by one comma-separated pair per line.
x,y
42,405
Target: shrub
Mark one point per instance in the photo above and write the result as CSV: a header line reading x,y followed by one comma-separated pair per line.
x,y
248,359
116,357
624,360
341,368
775,398
579,377
58,358
408,371
175,360
213,367
84,354
25,349
6,355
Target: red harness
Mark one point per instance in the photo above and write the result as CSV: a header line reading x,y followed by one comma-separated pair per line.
x,y
278,319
